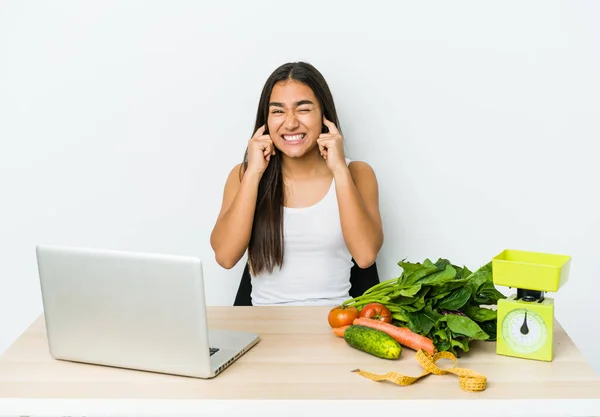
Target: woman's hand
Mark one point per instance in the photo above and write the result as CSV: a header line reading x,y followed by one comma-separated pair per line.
x,y
331,146
260,150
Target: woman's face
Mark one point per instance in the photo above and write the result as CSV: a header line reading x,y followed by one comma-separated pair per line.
x,y
295,119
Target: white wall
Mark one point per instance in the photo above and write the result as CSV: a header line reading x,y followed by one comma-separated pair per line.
x,y
119,122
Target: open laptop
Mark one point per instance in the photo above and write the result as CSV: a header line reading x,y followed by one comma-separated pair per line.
x,y
133,310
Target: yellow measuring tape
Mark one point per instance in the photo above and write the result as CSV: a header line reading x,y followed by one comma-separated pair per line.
x,y
469,380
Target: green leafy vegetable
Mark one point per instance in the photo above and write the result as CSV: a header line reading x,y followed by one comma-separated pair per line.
x,y
488,294
456,299
490,328
480,314
440,300
423,321
464,326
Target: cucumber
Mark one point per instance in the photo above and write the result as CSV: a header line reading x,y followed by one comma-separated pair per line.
x,y
372,341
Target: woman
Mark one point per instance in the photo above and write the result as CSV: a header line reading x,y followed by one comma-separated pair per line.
x,y
296,203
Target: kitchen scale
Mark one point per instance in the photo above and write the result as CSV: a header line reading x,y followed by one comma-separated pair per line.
x,y
526,319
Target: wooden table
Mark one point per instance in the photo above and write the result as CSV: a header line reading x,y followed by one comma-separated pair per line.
x,y
298,368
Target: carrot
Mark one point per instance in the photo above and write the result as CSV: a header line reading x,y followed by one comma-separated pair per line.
x,y
339,331
402,335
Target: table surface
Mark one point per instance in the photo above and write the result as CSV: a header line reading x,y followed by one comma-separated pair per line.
x,y
297,358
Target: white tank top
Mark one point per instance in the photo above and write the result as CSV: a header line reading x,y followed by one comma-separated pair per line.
x,y
316,264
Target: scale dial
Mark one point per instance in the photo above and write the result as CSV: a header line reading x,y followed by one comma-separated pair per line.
x,y
524,330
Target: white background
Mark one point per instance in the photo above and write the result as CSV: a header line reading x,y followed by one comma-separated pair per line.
x,y
119,122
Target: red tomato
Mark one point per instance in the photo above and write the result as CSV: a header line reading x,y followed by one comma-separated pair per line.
x,y
342,316
376,311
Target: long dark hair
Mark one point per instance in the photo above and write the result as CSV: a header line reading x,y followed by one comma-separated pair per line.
x,y
265,249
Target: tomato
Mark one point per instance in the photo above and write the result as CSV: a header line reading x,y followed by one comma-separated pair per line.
x,y
376,311
340,316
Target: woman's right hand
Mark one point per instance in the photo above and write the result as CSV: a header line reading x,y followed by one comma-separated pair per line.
x,y
260,150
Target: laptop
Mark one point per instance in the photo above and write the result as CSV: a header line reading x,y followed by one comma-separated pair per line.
x,y
133,310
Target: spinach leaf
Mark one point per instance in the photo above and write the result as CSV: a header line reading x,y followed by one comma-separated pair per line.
x,y
440,277
408,267
423,321
416,274
443,290
464,326
410,291
480,314
442,263
461,272
461,342
490,327
488,294
480,277
414,306
456,299
400,316
442,345
403,301
441,334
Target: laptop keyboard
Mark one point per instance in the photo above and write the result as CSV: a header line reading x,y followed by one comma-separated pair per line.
x,y
213,351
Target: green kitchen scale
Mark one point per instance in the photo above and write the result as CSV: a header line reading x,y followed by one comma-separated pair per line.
x,y
526,319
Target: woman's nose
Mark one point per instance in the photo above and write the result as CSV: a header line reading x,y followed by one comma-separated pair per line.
x,y
290,121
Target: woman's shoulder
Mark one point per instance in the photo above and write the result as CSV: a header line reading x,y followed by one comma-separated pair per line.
x,y
237,172
234,178
360,170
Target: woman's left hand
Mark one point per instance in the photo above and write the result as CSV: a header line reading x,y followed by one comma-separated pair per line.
x,y
331,146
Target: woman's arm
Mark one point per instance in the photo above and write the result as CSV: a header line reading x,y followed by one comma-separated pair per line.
x,y
358,201
231,234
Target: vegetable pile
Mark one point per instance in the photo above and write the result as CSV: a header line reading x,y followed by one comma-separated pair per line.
x,y
439,301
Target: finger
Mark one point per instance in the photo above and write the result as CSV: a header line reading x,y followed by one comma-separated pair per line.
x,y
263,139
332,127
266,145
325,142
259,132
267,150
323,149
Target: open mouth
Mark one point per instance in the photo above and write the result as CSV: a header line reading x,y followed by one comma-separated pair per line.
x,y
292,139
